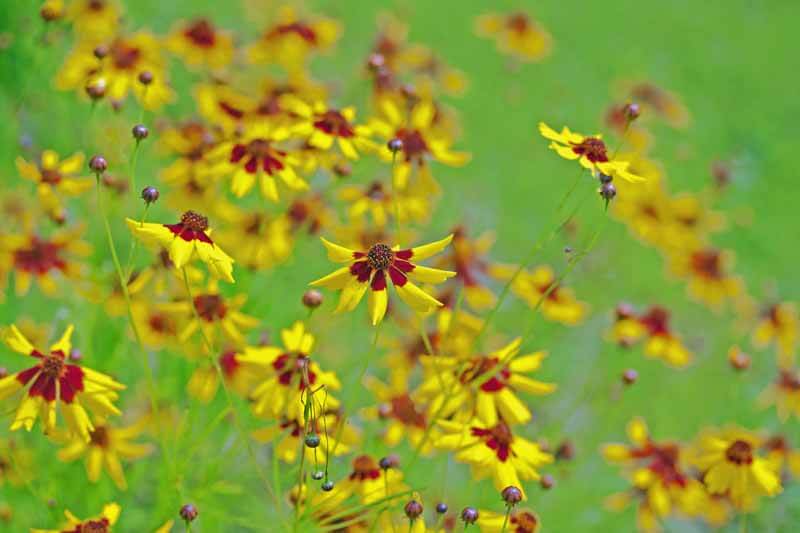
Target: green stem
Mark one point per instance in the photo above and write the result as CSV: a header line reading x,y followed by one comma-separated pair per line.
x,y
505,519
134,244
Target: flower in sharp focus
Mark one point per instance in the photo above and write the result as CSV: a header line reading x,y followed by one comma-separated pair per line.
x,y
53,178
371,269
106,446
54,385
199,43
516,34
590,151
731,464
185,240
101,523
493,451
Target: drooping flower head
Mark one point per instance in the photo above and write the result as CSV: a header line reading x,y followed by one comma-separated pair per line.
x,y
377,266
185,240
55,385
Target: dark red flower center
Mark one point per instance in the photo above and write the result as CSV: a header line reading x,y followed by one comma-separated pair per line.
x,y
51,176
593,149
481,365
789,381
663,462
99,436
333,122
523,522
258,150
365,468
228,363
739,453
376,191
294,364
39,257
380,256
297,28
201,33
518,22
161,323
210,307
194,221
707,264
656,320
54,377
404,410
53,365
92,526
497,438
414,145
124,56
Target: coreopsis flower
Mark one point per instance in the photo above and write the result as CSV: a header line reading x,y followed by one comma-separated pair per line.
x,y
708,273
322,126
204,382
382,204
784,394
212,311
55,178
779,325
520,520
690,222
371,269
539,287
222,105
468,259
256,158
46,260
493,451
258,240
106,446
590,151
118,72
403,417
369,482
190,141
653,325
287,434
484,386
310,213
783,455
284,373
101,523
94,20
186,240
515,34
157,327
54,385
200,44
731,465
291,40
661,103
643,207
16,463
421,142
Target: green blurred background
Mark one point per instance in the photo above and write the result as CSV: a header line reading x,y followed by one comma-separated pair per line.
x,y
734,64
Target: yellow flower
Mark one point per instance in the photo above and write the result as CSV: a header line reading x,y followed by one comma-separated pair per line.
x,y
483,386
730,464
493,451
287,434
370,482
204,382
707,270
200,44
185,240
783,455
190,141
538,287
403,416
156,327
778,324
94,20
591,152
372,267
106,446
629,328
784,393
255,157
101,523
383,205
54,385
283,375
291,39
516,34
421,141
468,259
54,178
520,520
257,239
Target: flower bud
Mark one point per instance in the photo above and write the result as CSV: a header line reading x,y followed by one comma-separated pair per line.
x,y
511,495
327,486
413,509
98,164
608,191
441,507
395,145
632,111
100,51
96,89
145,77
312,440
469,515
312,298
140,132
547,482
150,194
188,512
390,461
317,475
630,376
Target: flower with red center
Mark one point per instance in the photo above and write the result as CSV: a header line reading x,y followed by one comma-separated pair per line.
x,y
101,523
779,324
629,328
422,141
370,482
382,204
200,44
402,414
322,125
540,288
516,34
731,465
54,178
520,520
591,152
118,71
493,451
283,375
258,240
469,259
483,386
94,20
291,40
107,445
212,312
377,266
54,385
185,240
157,328
189,142
46,260
204,382
781,453
708,273
784,393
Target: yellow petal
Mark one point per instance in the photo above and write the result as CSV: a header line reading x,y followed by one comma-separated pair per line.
x,y
430,275
64,343
335,280
15,340
427,250
416,298
378,301
337,253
